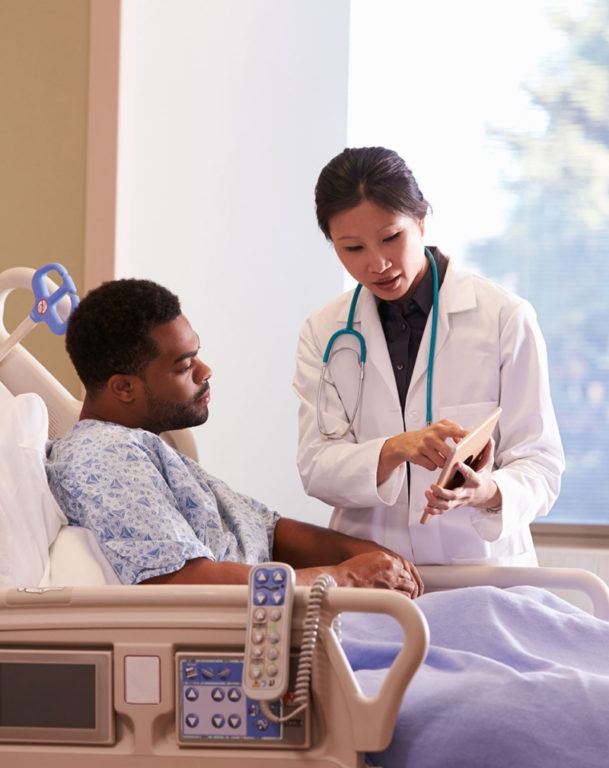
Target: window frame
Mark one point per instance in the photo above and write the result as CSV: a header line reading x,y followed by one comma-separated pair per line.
x,y
570,535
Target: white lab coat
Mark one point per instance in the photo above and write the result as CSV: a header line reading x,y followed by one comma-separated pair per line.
x,y
489,351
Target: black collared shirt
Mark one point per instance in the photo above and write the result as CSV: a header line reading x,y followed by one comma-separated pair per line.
x,y
404,323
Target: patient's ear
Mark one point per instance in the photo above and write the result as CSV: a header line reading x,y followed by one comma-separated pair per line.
x,y
123,387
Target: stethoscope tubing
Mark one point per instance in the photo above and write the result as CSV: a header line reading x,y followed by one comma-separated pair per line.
x,y
432,340
348,330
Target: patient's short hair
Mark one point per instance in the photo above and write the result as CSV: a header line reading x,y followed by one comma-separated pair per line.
x,y
109,331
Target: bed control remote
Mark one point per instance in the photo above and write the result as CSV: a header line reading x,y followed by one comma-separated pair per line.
x,y
266,664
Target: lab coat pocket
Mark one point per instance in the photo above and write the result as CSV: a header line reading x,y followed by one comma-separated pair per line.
x,y
512,550
467,415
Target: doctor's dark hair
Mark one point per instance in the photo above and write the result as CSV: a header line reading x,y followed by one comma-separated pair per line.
x,y
109,331
367,173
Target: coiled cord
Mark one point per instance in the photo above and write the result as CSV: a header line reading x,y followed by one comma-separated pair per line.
x,y
304,672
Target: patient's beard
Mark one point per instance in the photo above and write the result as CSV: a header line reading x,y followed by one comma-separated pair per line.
x,y
165,415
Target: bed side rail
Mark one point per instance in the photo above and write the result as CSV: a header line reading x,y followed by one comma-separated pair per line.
x,y
158,620
439,577
372,718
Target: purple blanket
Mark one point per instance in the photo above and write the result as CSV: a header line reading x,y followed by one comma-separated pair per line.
x,y
516,678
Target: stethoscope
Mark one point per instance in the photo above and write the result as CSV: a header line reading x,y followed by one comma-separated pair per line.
x,y
350,331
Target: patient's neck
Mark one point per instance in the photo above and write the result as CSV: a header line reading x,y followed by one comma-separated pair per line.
x,y
101,408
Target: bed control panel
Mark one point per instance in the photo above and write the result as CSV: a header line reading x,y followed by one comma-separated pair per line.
x,y
214,709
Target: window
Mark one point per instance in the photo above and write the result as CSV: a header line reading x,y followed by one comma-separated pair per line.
x,y
502,112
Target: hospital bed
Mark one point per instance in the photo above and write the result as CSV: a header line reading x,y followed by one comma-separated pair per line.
x,y
99,674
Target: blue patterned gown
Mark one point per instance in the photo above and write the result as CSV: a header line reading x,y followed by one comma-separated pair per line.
x,y
150,507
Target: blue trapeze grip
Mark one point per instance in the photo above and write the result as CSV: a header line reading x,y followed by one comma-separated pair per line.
x,y
45,307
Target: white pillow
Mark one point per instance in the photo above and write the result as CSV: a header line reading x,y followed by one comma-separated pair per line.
x,y
29,515
5,394
77,560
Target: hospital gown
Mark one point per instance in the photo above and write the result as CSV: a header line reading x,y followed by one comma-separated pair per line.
x,y
150,507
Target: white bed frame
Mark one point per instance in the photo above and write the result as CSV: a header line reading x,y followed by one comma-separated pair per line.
x,y
153,623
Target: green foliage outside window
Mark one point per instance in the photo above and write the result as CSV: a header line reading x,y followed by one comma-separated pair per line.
x,y
554,249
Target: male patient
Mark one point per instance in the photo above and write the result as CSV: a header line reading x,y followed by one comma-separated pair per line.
x,y
158,516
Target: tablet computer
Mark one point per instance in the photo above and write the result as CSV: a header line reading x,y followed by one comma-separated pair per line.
x,y
468,451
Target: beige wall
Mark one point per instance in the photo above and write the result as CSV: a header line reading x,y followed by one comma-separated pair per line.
x,y
44,51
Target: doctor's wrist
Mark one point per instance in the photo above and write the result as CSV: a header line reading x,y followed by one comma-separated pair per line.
x,y
390,458
495,503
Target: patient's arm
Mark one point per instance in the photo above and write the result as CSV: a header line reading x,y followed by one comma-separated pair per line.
x,y
311,550
369,569
304,545
376,569
200,570
351,561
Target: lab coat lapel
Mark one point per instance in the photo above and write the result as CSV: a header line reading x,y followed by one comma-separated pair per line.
x,y
379,383
456,295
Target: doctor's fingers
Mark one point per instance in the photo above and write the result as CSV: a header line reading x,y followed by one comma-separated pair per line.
x,y
433,440
426,448
432,443
487,457
445,429
471,477
440,499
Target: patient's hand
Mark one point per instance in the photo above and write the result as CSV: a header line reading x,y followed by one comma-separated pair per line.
x,y
313,550
379,569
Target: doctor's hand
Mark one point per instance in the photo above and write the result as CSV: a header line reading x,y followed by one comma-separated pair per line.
x,y
426,447
478,489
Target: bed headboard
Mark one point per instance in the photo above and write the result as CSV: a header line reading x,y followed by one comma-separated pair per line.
x,y
20,372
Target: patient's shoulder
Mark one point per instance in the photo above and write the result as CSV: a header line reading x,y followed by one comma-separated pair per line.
x,y
90,437
95,444
88,430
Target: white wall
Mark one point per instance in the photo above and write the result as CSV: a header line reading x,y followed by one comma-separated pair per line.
x,y
228,111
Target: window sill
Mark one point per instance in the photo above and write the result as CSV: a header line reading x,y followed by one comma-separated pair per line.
x,y
570,536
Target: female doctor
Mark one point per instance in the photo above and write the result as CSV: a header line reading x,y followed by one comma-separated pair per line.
x,y
442,348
